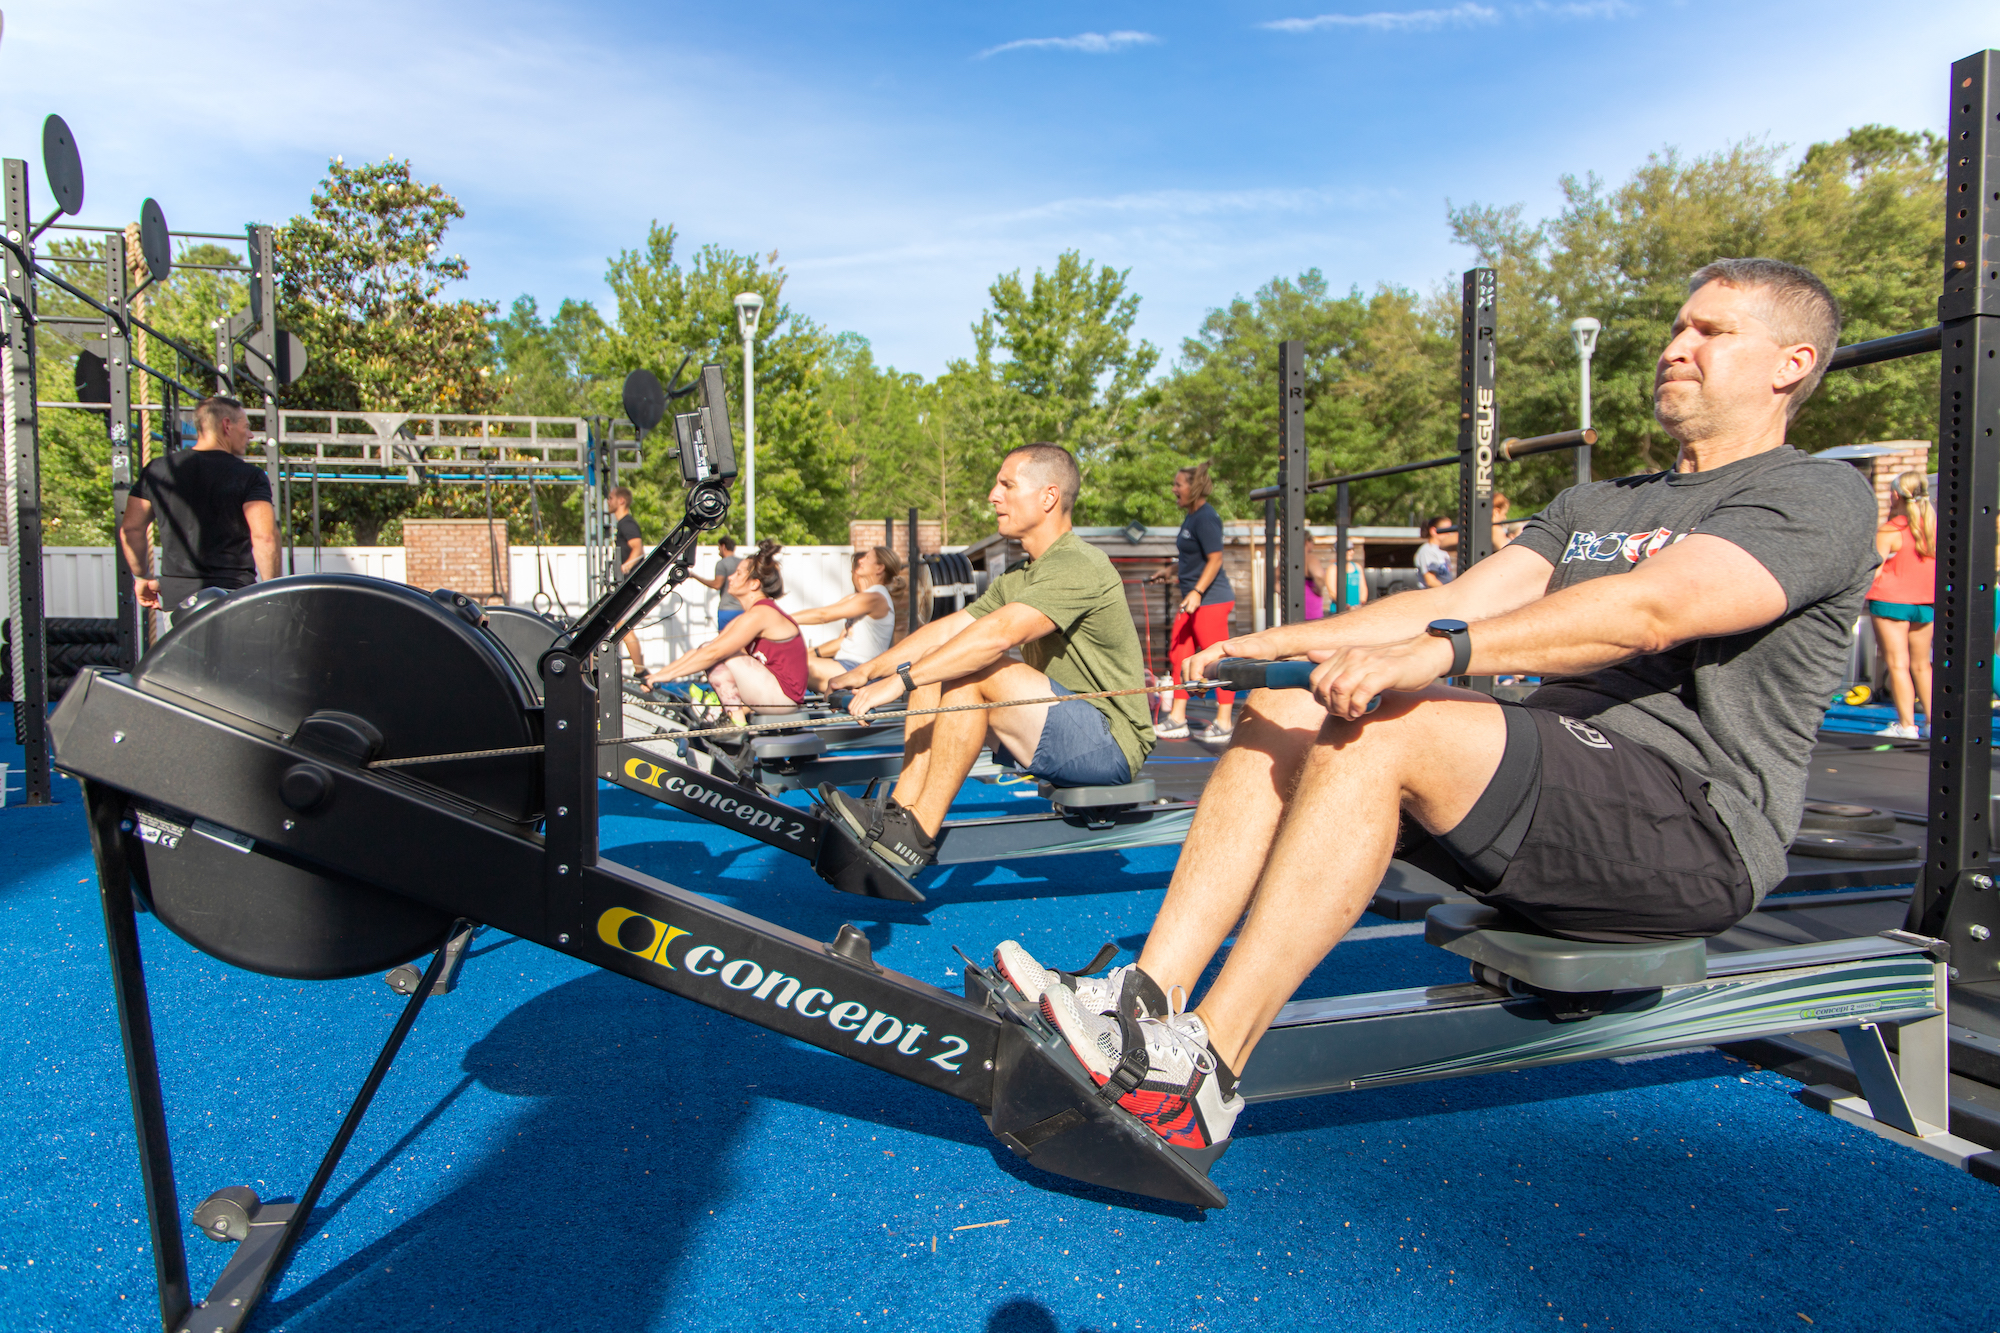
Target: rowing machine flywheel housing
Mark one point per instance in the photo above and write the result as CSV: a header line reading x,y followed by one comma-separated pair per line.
x,y
345,669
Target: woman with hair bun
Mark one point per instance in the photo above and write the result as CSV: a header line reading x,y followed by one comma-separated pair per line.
x,y
759,660
1900,601
870,613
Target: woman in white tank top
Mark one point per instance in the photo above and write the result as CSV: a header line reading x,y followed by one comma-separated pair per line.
x,y
870,613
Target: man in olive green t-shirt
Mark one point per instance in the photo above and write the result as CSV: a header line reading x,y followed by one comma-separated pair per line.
x,y
1065,609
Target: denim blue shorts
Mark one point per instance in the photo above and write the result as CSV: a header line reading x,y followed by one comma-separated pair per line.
x,y
1077,748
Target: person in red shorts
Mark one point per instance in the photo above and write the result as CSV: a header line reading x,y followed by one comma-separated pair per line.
x,y
1899,601
1207,601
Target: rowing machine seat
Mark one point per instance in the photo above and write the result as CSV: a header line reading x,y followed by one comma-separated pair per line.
x,y
1505,943
788,745
1098,798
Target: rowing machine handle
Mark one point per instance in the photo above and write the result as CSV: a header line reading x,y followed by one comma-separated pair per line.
x,y
1249,673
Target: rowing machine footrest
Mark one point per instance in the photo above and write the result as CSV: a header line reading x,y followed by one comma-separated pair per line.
x,y
804,745
1097,798
1487,935
1050,1113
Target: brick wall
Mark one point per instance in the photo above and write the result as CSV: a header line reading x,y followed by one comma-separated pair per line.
x,y
930,537
456,553
1883,471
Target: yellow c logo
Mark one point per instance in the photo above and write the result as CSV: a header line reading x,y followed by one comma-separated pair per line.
x,y
651,777
624,929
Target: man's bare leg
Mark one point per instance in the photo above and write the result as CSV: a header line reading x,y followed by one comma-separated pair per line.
x,y
1233,829
1431,754
955,739
917,736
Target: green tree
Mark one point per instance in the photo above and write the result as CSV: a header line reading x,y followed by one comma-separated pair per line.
x,y
1860,212
362,279
886,432
1379,389
667,311
1053,359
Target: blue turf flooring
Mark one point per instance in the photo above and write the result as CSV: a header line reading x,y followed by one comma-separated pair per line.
x,y
559,1148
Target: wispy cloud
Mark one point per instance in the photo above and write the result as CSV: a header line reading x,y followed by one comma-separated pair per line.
x,y
1088,43
1464,15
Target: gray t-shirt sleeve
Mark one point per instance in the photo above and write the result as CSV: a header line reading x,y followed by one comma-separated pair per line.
x,y
1811,526
1547,533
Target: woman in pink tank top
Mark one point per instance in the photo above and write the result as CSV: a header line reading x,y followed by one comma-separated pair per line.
x,y
1900,600
759,660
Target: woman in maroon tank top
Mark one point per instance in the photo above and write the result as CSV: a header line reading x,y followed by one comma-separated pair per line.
x,y
759,661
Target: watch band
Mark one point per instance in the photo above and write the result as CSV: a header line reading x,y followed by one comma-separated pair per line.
x,y
903,670
1460,635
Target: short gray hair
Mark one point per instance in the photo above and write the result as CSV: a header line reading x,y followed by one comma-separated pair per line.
x,y
1055,466
1797,306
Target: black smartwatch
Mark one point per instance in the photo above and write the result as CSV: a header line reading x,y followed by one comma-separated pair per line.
x,y
903,670
1460,635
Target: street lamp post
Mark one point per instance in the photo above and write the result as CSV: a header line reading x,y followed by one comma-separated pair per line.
x,y
1584,333
749,306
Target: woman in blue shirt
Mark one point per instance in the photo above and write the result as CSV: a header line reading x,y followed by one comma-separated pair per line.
x,y
1206,604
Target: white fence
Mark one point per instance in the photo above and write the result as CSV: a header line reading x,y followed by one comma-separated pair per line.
x,y
78,581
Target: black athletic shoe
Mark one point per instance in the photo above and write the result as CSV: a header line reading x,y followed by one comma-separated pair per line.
x,y
883,826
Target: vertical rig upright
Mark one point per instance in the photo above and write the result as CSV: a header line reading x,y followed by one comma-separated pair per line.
x,y
1957,900
24,576
1292,475
263,359
118,425
1477,425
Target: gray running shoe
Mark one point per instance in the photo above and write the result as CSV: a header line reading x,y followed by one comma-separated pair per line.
x,y
1098,995
884,826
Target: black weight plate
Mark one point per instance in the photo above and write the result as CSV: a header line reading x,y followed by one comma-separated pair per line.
x,y
645,401
155,245
1840,817
1835,845
93,375
62,165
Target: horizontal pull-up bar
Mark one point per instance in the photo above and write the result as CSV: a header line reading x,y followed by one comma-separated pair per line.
x,y
1509,451
1891,348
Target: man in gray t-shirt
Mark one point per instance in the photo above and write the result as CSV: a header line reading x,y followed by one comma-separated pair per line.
x,y
1647,791
727,608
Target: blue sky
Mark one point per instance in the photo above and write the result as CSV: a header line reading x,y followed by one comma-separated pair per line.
x,y
898,155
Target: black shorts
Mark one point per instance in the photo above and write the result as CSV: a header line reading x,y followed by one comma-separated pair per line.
x,y
1590,835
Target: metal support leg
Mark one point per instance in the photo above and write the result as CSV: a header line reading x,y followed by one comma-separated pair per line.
x,y
1880,1086
1907,1101
264,1233
142,1065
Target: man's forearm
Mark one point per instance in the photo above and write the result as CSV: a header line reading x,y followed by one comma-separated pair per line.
x,y
1573,632
912,647
978,646
138,552
264,550
1386,621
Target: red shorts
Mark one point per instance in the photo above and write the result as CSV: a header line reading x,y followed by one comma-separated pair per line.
x,y
1208,626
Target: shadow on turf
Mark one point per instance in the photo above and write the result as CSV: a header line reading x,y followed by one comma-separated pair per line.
x,y
636,1127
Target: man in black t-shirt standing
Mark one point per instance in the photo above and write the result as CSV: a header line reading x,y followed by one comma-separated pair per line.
x,y
216,525
628,549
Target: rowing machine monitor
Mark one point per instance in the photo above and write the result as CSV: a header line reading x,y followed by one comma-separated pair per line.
x,y
706,447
